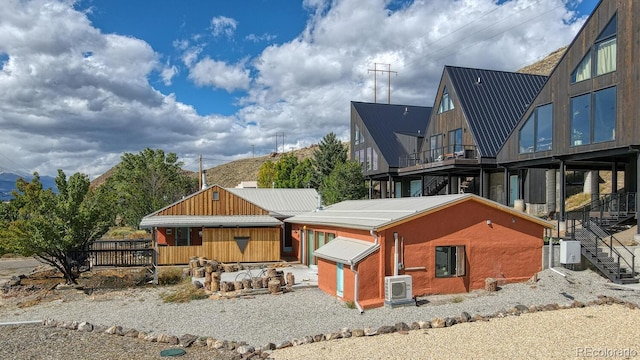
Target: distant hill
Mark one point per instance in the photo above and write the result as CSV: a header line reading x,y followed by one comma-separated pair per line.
x,y
8,183
546,65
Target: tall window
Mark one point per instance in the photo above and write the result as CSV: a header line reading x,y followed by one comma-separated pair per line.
x,y
446,103
450,261
359,137
369,159
604,115
602,57
375,160
455,140
594,117
435,143
537,132
182,237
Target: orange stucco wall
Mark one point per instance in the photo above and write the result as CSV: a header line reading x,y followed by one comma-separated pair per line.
x,y
509,248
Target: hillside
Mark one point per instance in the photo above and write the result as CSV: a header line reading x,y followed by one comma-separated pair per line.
x,y
234,172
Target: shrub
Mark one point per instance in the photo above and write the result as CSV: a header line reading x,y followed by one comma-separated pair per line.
x,y
184,292
350,304
169,275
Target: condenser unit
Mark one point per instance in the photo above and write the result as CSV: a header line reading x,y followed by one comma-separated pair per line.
x,y
397,289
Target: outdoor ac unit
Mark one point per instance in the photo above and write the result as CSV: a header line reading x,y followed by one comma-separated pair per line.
x,y
397,289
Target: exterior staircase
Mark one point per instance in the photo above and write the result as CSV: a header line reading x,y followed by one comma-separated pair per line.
x,y
614,260
435,188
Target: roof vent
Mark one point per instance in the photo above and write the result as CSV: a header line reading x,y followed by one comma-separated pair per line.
x,y
479,81
406,110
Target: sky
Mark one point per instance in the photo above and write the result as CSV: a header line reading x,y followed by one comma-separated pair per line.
x,y
83,82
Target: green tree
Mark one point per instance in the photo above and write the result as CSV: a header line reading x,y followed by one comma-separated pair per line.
x,y
345,182
52,226
329,154
266,174
301,174
284,169
147,182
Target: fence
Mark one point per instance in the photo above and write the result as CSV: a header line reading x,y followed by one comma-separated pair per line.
x,y
117,253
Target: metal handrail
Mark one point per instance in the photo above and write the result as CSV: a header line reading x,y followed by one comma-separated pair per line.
x,y
439,154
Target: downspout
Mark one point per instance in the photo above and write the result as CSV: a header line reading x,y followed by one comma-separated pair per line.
x,y
395,253
155,256
357,277
303,242
355,292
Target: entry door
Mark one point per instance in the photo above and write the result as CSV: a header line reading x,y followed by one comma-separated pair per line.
x,y
339,280
513,189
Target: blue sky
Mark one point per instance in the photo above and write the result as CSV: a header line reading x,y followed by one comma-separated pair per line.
x,y
82,82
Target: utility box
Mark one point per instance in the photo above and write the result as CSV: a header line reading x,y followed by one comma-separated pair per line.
x,y
570,252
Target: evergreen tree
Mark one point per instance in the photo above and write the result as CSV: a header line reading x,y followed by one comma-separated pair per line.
x,y
329,154
346,182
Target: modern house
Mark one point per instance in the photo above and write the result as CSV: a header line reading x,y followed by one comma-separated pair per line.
x,y
476,111
432,245
381,134
229,224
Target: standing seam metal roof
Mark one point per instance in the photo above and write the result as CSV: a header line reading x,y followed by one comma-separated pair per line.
x,y
493,106
383,121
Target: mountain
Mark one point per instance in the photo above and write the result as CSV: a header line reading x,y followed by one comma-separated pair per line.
x,y
8,183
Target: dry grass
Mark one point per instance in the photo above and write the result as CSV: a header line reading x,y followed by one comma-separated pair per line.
x,y
126,233
169,275
184,292
114,278
546,65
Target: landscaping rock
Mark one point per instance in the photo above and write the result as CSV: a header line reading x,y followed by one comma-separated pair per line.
x,y
85,326
401,326
357,333
245,349
386,329
187,339
133,333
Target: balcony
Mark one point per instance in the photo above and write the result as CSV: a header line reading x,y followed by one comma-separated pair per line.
x,y
448,155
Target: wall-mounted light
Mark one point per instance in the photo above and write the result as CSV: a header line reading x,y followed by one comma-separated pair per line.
x,y
489,222
200,233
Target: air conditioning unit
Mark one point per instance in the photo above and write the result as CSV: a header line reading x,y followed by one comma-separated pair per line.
x,y
397,289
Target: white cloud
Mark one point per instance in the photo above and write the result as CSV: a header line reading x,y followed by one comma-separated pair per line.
x,y
208,72
75,98
259,38
223,26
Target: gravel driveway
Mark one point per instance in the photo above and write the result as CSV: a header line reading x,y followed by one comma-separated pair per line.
x,y
309,311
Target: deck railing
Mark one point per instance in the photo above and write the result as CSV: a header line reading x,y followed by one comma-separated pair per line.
x,y
438,155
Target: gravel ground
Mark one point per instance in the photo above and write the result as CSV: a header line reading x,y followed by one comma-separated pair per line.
x,y
276,318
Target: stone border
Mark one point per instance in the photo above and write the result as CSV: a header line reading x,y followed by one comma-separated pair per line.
x,y
246,351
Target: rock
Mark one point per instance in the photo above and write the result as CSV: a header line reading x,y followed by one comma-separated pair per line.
x,y
309,339
450,321
631,305
332,336
268,347
163,338
133,333
85,326
437,323
403,332
386,329
187,339
577,304
401,326
357,333
465,317
522,308
218,344
318,338
296,342
532,309
73,325
115,330
142,335
370,331
230,345
49,323
198,284
245,349
284,344
345,333
151,338
415,326
200,342
424,324
173,340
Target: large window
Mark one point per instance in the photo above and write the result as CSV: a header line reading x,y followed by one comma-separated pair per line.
x,y
359,136
593,117
182,237
446,103
369,159
537,132
450,261
602,57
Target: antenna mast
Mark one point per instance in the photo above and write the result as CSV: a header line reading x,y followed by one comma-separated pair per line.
x,y
375,80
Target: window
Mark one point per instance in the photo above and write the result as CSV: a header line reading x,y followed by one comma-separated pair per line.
x,y
604,115
369,158
580,120
537,132
455,141
450,261
375,160
593,117
215,196
330,236
446,103
436,147
182,237
602,57
359,137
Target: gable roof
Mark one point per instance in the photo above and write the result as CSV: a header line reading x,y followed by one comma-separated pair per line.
x,y
382,120
280,202
494,104
149,222
378,214
346,250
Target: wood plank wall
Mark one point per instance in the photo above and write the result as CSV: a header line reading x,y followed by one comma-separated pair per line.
x,y
178,255
202,203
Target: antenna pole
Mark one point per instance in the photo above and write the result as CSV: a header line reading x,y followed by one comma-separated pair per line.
x,y
375,82
200,173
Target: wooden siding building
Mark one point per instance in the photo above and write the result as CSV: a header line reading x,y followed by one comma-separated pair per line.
x,y
228,225
585,117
